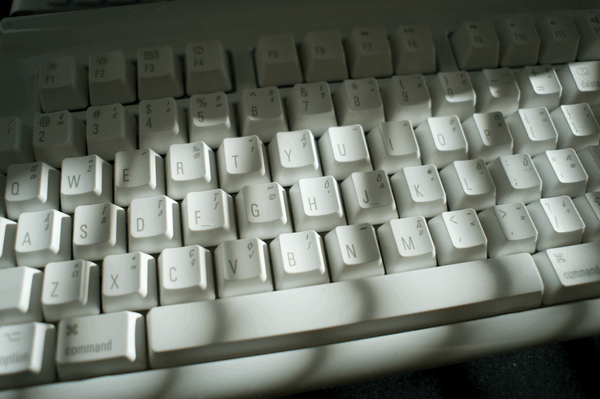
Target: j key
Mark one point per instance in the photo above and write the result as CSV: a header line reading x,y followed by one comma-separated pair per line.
x,y
532,130
43,237
154,224
31,187
138,174
590,159
496,91
211,119
343,151
509,229
112,79
8,231
561,173
452,94
468,184
58,136
588,206
206,68
98,231
441,140
263,211
110,129
407,98
21,293
159,73
488,136
208,218
559,39
519,42
63,85
309,106
413,50
358,101
557,221
580,82
576,126
323,57
261,113
368,198
393,146
242,161
516,179
539,87
85,181
476,45
369,53
162,124
277,62
190,167
317,204
418,191
16,145
293,156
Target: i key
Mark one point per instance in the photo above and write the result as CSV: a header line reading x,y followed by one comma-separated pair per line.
x,y
162,124
211,119
358,101
261,113
309,106
85,181
317,204
208,218
393,146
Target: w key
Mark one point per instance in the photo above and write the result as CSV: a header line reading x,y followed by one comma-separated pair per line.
x,y
93,186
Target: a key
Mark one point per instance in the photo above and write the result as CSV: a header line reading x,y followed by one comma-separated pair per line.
x,y
590,159
369,53
63,85
16,145
208,218
323,57
418,191
576,126
496,91
138,174
580,82
277,62
559,39
211,119
588,27
206,68
353,252
85,181
243,267
441,141
539,86
43,237
70,289
344,151
588,206
516,179
557,221
242,161
162,124
413,50
58,136
8,231
468,184
407,98
358,101
31,187
110,129
393,146
21,293
29,353
458,237
509,229
309,106
261,113
298,260
118,341
452,94
475,45
561,173
159,73
532,130
112,79
519,42
293,156
98,231
185,275
263,211
406,245
317,204
129,282
488,136
368,198
190,167
154,224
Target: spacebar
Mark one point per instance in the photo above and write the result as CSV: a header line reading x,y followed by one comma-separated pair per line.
x,y
323,314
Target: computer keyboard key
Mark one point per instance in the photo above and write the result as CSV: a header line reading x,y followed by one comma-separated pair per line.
x,y
407,98
138,174
419,192
110,129
580,82
441,141
263,211
368,198
31,187
243,267
452,94
98,231
309,106
206,68
242,161
211,119
208,218
90,346
588,206
458,237
185,275
588,27
406,245
70,289
393,146
43,237
154,224
8,231
129,282
561,173
516,179
277,62
539,87
488,136
58,136
496,91
112,79
317,204
413,50
29,353
190,167
369,53
16,145
323,58
343,151
475,45
532,130
159,73
298,260
293,156
162,123
559,39
590,159
85,181
468,184
519,42
261,113
21,293
63,84
509,229
353,252
358,101
576,126
557,221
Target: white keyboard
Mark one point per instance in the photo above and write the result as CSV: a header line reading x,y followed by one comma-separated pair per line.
x,y
203,200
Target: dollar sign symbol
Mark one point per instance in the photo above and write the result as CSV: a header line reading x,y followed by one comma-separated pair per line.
x,y
148,109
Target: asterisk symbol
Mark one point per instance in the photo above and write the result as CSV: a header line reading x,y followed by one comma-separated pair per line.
x,y
354,86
